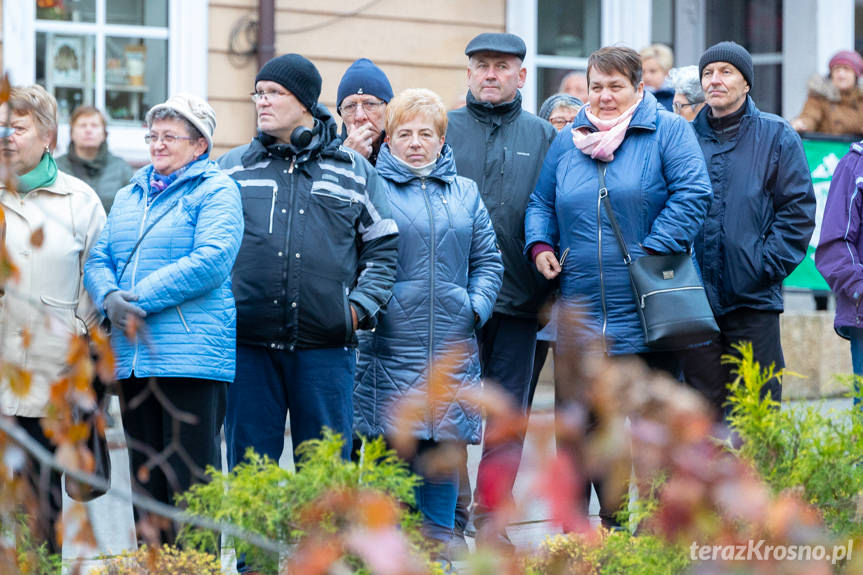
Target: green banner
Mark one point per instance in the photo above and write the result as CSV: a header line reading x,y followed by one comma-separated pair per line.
x,y
823,156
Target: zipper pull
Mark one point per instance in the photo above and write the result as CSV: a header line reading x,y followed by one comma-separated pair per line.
x,y
423,183
291,167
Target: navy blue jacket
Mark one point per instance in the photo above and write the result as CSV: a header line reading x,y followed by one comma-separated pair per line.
x,y
501,148
762,215
318,239
659,190
449,269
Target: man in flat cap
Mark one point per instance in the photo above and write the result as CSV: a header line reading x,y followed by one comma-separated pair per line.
x,y
501,147
363,95
759,223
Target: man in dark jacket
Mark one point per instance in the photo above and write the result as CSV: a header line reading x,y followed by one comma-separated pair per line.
x,y
317,263
501,147
758,226
363,95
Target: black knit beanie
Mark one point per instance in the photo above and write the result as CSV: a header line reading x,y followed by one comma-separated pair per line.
x,y
730,52
296,74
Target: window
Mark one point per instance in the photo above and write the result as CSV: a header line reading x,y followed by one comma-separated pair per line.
x,y
757,26
122,56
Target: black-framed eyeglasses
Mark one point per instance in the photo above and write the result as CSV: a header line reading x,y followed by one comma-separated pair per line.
x,y
678,107
350,108
167,138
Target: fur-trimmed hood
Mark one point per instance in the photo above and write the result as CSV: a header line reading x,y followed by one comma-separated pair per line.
x,y
819,85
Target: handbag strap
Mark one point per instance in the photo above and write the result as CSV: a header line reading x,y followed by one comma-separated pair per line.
x,y
603,196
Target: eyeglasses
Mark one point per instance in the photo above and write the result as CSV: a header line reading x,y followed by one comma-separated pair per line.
x,y
167,138
350,108
559,122
268,95
678,106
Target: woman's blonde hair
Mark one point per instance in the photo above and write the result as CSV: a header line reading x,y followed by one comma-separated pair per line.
x,y
661,53
38,103
416,102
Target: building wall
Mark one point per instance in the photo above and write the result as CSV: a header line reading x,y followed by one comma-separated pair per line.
x,y
414,46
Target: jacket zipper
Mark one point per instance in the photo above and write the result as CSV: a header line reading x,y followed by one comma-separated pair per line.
x,y
288,234
657,291
601,279
431,294
135,272
273,206
183,319
446,207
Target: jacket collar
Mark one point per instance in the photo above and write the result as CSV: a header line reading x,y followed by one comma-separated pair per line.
x,y
703,129
391,169
324,143
495,114
644,118
141,179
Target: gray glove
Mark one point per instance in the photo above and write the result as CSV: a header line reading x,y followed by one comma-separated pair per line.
x,y
118,306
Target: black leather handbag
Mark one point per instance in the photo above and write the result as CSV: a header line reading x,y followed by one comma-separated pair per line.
x,y
670,298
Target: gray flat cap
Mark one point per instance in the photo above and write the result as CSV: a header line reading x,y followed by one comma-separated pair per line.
x,y
495,42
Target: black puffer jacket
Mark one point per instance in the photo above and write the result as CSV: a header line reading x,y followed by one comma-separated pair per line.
x,y
502,148
318,239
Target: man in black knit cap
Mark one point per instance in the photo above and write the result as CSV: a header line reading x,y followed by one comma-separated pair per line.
x,y
317,263
758,226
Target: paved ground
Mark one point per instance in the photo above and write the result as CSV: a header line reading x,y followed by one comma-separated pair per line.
x,y
112,514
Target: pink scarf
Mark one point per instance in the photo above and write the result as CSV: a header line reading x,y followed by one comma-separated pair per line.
x,y
602,144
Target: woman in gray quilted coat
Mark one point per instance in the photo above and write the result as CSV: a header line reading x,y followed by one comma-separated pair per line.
x,y
448,276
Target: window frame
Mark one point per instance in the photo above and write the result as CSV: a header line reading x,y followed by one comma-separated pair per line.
x,y
187,57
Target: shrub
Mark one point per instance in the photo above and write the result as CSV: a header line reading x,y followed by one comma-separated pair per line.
x,y
165,561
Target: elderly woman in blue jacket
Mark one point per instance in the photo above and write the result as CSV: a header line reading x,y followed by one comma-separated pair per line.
x,y
448,276
659,189
161,273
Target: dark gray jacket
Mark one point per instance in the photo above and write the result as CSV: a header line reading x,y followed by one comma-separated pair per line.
x,y
106,173
318,239
502,148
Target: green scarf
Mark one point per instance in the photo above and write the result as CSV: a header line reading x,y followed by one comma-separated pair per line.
x,y
41,176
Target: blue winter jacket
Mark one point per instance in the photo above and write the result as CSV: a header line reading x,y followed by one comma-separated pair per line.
x,y
449,268
180,273
762,215
660,192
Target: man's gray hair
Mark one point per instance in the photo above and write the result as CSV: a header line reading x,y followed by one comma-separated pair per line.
x,y
169,114
687,81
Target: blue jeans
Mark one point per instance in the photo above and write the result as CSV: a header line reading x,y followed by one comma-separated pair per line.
x,y
855,335
436,495
316,385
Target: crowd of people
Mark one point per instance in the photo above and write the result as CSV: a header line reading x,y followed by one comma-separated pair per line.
x,y
331,273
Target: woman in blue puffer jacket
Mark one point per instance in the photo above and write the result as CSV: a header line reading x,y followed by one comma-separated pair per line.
x,y
659,190
164,258
448,276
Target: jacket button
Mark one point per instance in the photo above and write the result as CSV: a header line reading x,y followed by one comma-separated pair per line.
x,y
291,347
275,302
284,211
302,212
281,254
293,304
272,346
297,255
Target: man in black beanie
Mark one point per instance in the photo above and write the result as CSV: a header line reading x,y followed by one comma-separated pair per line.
x,y
317,263
758,226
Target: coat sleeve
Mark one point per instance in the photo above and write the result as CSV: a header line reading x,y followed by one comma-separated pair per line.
x,y
689,191
100,275
378,253
86,310
540,220
218,232
486,263
837,257
812,113
787,239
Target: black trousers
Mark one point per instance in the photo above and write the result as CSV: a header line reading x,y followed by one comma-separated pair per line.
x,y
46,486
703,368
172,432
